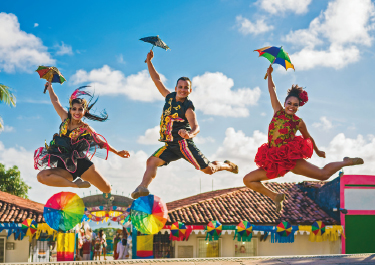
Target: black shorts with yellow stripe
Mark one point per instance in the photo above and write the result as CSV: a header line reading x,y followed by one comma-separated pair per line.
x,y
185,149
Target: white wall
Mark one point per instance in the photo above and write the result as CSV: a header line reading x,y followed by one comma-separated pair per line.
x,y
301,246
21,249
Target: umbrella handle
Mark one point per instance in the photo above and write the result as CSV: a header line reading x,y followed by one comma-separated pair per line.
x,y
45,88
265,77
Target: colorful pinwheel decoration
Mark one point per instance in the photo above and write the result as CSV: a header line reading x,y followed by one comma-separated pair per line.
x,y
51,74
63,211
318,228
276,55
178,231
214,229
29,227
148,214
244,231
284,229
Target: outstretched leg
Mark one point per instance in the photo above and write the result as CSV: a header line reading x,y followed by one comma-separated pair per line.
x,y
151,168
96,179
217,166
58,177
309,170
253,181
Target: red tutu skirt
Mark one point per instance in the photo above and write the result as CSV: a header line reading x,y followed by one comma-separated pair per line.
x,y
277,161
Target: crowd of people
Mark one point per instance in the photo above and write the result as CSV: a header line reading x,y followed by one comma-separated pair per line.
x,y
91,245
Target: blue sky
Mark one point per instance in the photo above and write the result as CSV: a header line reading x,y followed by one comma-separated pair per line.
x,y
331,44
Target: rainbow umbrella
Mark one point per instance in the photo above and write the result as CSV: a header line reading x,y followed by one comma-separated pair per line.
x,y
178,229
214,229
29,227
63,211
318,228
148,214
276,55
284,229
51,74
244,231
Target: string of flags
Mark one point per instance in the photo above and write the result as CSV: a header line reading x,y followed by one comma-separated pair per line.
x,y
281,233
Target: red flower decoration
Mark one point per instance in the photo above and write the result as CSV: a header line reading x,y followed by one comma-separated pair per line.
x,y
283,131
303,98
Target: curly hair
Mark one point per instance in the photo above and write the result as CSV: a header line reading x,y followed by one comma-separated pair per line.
x,y
294,92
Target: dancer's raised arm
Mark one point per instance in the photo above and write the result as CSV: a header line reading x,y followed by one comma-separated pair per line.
x,y
276,105
56,103
155,76
306,135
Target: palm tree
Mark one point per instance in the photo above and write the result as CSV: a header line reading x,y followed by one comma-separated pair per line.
x,y
7,97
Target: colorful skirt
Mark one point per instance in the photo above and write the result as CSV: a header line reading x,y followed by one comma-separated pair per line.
x,y
277,161
66,150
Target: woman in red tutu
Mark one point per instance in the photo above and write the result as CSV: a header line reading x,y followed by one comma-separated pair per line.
x,y
69,153
286,152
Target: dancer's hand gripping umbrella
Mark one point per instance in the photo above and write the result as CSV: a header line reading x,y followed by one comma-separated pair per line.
x,y
155,41
276,55
51,74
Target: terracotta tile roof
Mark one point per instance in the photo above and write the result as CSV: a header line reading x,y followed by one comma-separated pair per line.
x,y
230,206
16,209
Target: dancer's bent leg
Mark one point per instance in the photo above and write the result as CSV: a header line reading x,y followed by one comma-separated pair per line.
x,y
151,168
96,179
56,177
309,170
253,181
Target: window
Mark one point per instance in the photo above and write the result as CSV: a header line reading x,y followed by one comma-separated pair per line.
x,y
163,246
2,249
245,249
209,249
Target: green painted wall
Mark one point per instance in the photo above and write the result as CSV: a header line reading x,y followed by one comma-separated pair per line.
x,y
360,234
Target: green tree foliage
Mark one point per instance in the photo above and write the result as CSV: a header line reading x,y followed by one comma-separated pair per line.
x,y
7,97
11,182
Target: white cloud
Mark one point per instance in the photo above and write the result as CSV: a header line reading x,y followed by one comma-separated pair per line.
x,y
63,49
203,140
324,124
36,25
212,94
334,37
246,27
241,149
281,6
6,129
107,81
151,136
18,49
263,114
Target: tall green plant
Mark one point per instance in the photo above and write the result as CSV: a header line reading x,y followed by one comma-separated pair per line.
x,y
11,182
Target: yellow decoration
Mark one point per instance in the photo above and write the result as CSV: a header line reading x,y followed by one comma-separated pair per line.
x,y
43,227
331,234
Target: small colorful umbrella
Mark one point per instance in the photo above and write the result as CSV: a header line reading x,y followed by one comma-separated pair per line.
x,y
178,229
51,74
318,228
63,211
284,229
148,214
29,227
214,229
276,55
244,231
155,41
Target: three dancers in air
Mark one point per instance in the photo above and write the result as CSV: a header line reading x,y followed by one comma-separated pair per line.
x,y
69,154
